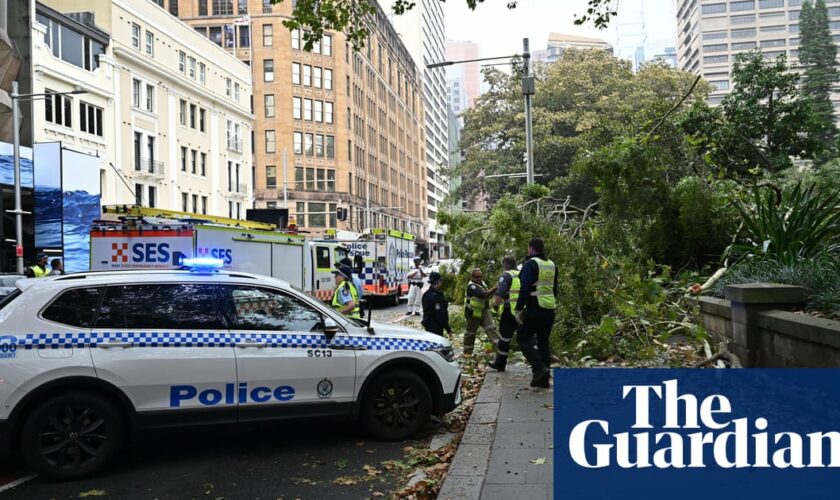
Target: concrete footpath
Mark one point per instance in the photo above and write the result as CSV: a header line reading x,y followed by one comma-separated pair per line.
x,y
507,448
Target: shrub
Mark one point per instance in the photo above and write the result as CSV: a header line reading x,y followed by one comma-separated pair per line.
x,y
821,276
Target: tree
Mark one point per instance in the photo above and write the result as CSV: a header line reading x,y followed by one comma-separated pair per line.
x,y
764,122
818,54
352,16
583,102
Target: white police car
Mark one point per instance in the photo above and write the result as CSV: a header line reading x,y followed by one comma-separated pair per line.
x,y
86,359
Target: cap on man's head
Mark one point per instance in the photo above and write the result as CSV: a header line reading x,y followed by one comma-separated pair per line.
x,y
41,256
344,262
434,277
417,259
343,271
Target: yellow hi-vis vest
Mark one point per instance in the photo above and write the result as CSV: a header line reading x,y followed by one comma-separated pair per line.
x,y
544,286
39,273
475,304
515,286
337,305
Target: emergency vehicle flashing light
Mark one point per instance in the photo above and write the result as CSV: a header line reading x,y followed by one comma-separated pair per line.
x,y
202,264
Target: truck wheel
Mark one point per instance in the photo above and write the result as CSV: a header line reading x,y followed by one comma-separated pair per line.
x,y
396,406
396,299
71,436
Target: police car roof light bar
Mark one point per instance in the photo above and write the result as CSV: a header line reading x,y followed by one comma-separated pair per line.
x,y
202,264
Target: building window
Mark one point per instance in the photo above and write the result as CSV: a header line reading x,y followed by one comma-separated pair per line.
x,y
715,8
317,214
150,43
58,109
204,205
90,118
268,35
307,75
182,112
721,47
193,161
202,7
330,147
318,111
183,159
296,109
328,112
152,197
328,79
307,109
222,7
268,70
319,145
138,194
308,145
135,35
270,176
192,67
150,97
326,43
135,93
316,77
296,73
720,84
203,164
228,87
201,116
138,146
269,105
771,4
185,202
296,39
192,115
236,92
738,6
201,73
298,143
270,144
182,61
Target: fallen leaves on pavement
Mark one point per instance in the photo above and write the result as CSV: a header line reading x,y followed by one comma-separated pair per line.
x,y
92,493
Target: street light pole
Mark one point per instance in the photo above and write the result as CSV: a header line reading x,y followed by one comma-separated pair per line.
x,y
528,91
18,209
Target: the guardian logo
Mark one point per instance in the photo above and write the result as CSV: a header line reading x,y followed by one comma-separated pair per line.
x,y
732,442
660,434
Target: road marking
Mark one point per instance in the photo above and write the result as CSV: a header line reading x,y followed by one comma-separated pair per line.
x,y
17,482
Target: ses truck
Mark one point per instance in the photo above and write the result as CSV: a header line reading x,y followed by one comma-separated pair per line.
x,y
384,256
148,238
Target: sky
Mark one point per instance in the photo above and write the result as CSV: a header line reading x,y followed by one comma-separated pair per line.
x,y
500,31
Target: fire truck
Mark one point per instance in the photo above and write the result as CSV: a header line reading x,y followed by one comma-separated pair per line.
x,y
149,238
384,257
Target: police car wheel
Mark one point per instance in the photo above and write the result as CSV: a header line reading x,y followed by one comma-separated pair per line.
x,y
72,435
396,406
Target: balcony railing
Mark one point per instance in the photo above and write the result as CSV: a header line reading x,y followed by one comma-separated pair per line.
x,y
148,166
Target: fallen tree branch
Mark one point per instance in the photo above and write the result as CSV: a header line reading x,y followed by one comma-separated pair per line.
x,y
677,105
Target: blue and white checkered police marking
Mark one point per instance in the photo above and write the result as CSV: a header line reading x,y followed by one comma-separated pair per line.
x,y
211,339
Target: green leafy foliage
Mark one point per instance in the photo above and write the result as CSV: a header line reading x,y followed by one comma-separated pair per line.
x,y
785,227
820,275
762,123
818,56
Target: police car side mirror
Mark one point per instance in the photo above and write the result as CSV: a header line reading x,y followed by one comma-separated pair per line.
x,y
330,328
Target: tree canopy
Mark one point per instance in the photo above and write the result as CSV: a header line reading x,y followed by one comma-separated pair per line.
x,y
818,56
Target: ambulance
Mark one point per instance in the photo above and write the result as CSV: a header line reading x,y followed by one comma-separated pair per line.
x,y
150,238
385,257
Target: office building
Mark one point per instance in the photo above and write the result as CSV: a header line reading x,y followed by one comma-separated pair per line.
x,y
470,73
711,34
333,127
422,32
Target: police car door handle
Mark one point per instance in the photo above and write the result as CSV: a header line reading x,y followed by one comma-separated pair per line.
x,y
258,345
348,347
115,343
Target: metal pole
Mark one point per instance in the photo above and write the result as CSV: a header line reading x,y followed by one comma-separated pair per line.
x,y
18,209
285,189
527,91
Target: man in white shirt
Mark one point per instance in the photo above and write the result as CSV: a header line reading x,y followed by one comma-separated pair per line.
x,y
415,288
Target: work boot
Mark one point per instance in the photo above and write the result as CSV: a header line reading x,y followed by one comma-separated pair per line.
x,y
541,379
498,364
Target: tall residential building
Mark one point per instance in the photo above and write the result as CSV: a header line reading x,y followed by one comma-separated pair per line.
x,y
470,72
170,108
333,127
711,34
559,42
422,29
456,92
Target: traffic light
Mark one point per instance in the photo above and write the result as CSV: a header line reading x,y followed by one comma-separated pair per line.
x,y
341,213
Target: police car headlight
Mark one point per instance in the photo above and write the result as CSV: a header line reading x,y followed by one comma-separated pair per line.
x,y
446,353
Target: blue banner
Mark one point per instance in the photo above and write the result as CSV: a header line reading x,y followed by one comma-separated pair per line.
x,y
697,434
